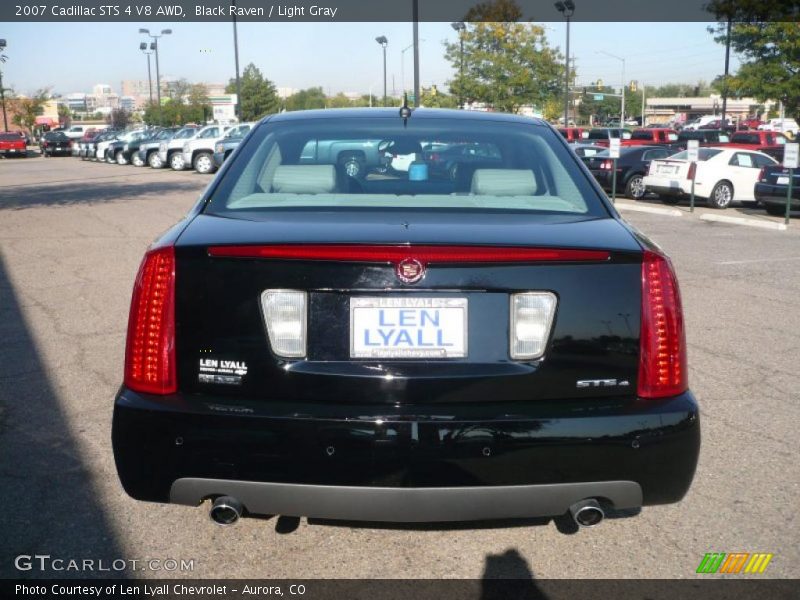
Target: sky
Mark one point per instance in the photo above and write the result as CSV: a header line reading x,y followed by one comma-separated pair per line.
x,y
340,57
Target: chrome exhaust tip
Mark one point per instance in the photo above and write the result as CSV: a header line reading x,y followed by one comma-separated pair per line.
x,y
225,510
587,513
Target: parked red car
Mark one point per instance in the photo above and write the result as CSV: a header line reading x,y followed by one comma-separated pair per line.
x,y
12,144
571,134
768,142
746,124
658,136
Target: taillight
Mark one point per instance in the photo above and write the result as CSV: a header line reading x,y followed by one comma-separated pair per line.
x,y
762,174
692,170
662,355
607,165
150,348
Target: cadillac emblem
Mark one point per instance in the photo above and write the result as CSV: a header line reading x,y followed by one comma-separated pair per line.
x,y
410,270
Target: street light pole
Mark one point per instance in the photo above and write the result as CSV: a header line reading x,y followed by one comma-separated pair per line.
x,y
381,39
2,90
566,8
143,48
158,72
236,60
460,27
415,17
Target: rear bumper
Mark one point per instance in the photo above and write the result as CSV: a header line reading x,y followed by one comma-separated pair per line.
x,y
406,505
377,462
766,193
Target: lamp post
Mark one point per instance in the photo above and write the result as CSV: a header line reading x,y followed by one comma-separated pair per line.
x,y
622,110
460,27
2,91
236,60
381,39
158,73
143,48
566,8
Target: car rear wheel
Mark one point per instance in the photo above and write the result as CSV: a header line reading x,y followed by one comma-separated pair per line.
x,y
776,210
635,187
136,161
204,163
176,161
721,195
119,157
154,160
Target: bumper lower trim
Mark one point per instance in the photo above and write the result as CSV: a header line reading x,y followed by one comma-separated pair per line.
x,y
406,505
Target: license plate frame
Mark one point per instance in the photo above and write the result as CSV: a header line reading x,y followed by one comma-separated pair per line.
x,y
416,304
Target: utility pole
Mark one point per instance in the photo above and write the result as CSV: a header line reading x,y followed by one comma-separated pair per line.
x,y
415,16
727,66
236,60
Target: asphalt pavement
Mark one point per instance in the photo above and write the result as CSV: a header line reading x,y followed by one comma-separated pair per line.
x,y
72,234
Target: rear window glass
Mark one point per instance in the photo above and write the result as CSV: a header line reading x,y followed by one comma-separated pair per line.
x,y
702,154
642,135
10,137
382,163
747,138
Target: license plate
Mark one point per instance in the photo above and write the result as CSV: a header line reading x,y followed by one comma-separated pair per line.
x,y
783,181
667,169
408,327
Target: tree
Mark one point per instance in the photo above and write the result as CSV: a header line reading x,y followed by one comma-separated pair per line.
x,y
307,99
766,35
609,106
27,109
119,117
64,115
506,64
434,98
259,97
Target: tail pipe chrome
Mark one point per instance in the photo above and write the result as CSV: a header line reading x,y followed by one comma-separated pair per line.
x,y
587,513
225,510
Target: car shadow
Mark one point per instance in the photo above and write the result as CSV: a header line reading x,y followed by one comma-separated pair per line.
x,y
51,505
508,575
91,192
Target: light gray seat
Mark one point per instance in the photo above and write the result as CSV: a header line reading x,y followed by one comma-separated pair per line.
x,y
304,179
503,182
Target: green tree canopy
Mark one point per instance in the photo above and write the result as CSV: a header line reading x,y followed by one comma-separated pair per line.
x,y
770,61
506,64
27,109
259,97
307,99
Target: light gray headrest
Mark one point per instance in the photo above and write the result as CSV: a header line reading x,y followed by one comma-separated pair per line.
x,y
503,182
304,179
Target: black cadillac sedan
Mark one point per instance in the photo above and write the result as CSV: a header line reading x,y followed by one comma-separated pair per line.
x,y
405,346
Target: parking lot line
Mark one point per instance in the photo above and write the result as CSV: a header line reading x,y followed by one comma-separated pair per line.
x,y
670,212
744,221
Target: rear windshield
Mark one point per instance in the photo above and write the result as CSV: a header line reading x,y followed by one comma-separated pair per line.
x,y
702,154
434,163
642,135
426,164
10,137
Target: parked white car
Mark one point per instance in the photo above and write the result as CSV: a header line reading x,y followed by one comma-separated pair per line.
x,y
721,176
700,122
783,125
198,153
171,152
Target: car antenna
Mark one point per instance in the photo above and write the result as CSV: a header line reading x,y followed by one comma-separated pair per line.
x,y
405,111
